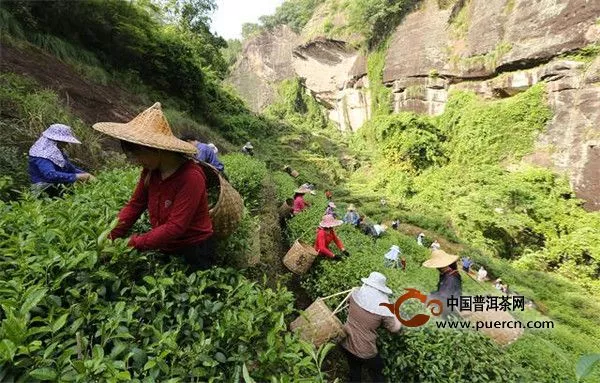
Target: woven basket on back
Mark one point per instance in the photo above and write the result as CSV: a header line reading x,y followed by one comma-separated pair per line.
x,y
319,324
502,336
294,173
227,213
299,258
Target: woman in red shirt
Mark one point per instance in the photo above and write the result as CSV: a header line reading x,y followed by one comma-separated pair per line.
x,y
326,235
171,186
299,203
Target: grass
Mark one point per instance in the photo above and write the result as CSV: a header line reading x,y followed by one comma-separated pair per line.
x,y
460,24
33,110
586,54
488,60
381,96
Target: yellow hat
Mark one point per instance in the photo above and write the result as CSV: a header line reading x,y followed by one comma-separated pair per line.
x,y
149,128
439,259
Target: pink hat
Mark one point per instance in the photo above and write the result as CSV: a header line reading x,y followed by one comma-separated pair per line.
x,y
331,204
329,221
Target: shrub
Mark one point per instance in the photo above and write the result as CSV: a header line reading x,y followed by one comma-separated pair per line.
x,y
79,307
432,355
285,185
247,175
482,132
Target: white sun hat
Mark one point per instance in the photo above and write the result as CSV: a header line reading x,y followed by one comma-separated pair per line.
x,y
372,293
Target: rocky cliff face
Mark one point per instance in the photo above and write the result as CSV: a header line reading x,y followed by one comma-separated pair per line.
x,y
478,39
496,48
265,61
334,72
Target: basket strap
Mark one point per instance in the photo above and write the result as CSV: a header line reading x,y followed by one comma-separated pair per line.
x,y
337,310
341,305
336,294
303,234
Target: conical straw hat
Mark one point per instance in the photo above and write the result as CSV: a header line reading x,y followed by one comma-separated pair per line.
x,y
328,221
149,128
439,259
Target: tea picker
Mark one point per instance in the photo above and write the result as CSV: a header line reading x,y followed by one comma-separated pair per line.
x,y
49,167
391,257
326,235
450,282
173,188
365,316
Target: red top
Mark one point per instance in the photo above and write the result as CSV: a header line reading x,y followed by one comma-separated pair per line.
x,y
324,238
177,206
299,204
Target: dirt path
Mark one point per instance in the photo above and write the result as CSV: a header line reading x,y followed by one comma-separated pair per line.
x,y
90,101
412,230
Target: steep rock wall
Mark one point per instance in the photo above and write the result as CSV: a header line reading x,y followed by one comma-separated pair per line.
x,y
265,61
499,48
335,74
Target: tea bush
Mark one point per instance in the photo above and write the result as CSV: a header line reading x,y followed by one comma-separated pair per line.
x,y
247,175
284,184
411,356
76,307
432,355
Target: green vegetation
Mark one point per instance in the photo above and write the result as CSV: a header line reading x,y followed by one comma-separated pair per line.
x,y
76,307
293,13
445,4
528,215
484,133
375,20
487,61
460,22
29,111
307,140
381,96
424,354
586,54
232,51
509,7
171,50
247,175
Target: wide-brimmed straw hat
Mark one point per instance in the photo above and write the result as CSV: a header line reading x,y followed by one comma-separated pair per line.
x,y
328,221
149,128
331,204
439,259
60,132
248,145
351,207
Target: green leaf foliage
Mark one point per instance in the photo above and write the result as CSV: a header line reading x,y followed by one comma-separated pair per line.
x,y
73,309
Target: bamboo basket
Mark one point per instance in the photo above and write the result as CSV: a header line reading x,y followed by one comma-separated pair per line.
x,y
227,212
502,336
299,257
294,173
318,324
